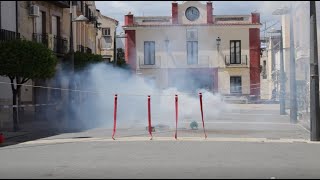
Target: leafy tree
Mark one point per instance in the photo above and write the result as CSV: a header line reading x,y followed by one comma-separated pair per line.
x,y
22,60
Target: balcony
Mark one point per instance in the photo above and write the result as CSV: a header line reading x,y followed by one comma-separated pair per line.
x,y
80,48
230,61
62,4
6,35
40,38
88,50
60,45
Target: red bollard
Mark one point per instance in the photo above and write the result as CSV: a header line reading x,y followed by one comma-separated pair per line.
x,y
115,116
149,116
176,103
205,134
1,138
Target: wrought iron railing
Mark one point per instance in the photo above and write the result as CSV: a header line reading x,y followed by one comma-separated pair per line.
x,y
6,35
60,45
88,50
40,38
80,48
236,60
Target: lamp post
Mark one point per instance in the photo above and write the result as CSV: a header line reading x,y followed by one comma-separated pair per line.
x,y
314,76
81,18
282,75
293,87
218,40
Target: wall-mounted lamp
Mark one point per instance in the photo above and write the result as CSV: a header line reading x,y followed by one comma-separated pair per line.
x,y
218,42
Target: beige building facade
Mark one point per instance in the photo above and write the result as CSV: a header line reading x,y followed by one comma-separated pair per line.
x,y
106,37
219,53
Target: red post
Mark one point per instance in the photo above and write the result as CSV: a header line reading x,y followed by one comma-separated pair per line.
x,y
115,116
204,130
176,102
1,138
149,117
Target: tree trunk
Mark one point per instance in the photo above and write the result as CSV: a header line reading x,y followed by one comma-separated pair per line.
x,y
14,111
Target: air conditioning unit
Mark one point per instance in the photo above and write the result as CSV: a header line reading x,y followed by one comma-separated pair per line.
x,y
34,11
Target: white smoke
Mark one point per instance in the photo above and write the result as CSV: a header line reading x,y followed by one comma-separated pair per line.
x,y
99,84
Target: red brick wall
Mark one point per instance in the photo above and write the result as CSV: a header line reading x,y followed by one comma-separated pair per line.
x,y
209,13
254,38
255,18
174,13
128,19
130,48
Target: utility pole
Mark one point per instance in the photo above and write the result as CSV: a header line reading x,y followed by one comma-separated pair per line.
x,y
314,76
293,85
282,78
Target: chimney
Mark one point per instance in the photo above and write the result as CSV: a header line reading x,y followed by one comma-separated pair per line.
x,y
255,18
209,12
174,12
128,19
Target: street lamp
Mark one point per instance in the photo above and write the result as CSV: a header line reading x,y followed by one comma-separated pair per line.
x,y
81,18
293,94
218,40
282,75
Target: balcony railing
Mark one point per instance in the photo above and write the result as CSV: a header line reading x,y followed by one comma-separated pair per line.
x,y
6,35
80,48
88,50
236,61
40,38
62,4
60,45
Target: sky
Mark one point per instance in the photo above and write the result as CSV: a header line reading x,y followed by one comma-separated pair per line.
x,y
117,9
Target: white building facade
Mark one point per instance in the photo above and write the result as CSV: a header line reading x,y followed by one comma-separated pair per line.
x,y
219,53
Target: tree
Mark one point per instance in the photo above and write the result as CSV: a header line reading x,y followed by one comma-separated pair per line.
x,y
22,60
121,62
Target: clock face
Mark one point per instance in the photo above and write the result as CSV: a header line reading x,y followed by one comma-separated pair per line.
x,y
192,13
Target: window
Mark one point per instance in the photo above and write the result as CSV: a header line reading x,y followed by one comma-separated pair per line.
x,y
192,52
106,42
264,70
235,84
192,46
106,32
149,52
235,52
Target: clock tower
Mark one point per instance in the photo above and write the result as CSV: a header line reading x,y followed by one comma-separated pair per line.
x,y
192,12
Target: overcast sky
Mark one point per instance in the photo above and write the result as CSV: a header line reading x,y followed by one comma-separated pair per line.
x,y
117,9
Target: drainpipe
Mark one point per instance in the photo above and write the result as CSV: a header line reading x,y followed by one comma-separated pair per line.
x,y
115,46
0,16
17,31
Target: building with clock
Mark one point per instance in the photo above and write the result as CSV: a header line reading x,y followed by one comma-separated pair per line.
x,y
193,48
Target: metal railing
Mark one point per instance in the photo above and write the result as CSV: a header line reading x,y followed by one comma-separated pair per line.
x,y
60,45
80,48
236,60
40,38
88,50
62,4
6,35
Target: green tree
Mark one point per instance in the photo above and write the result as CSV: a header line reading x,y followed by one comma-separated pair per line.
x,y
22,60
121,62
